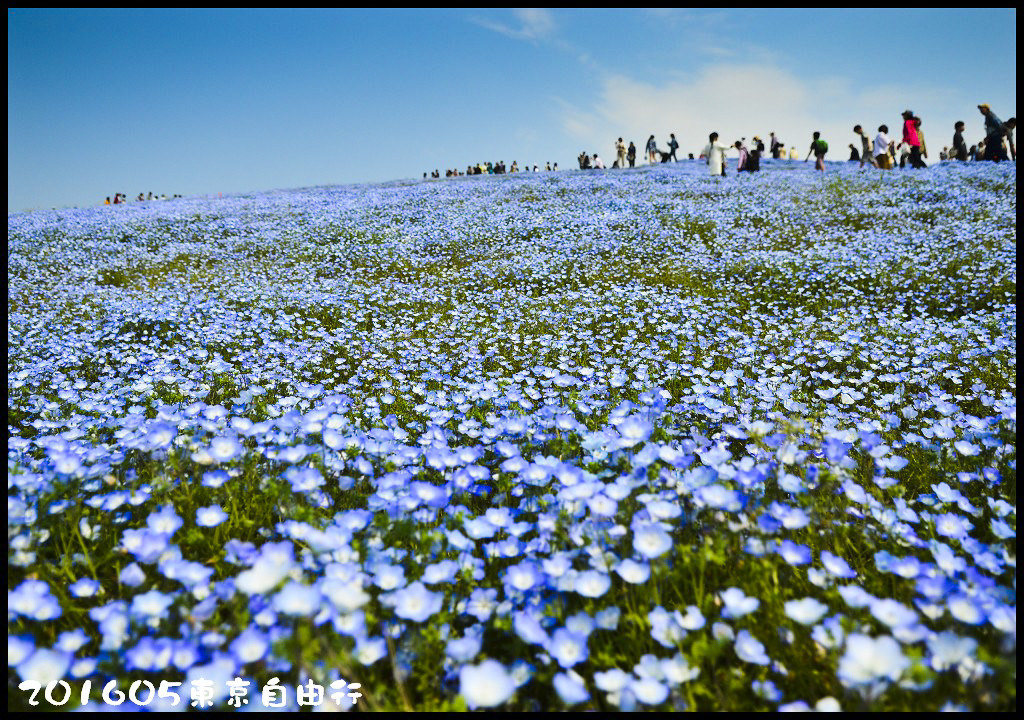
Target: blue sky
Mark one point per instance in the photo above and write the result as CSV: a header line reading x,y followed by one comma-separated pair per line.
x,y
207,101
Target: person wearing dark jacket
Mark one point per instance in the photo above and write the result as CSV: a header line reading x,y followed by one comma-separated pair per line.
x,y
959,146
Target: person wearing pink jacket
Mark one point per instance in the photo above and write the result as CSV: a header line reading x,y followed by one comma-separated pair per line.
x,y
911,139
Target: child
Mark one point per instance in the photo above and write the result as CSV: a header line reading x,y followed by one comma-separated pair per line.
x,y
819,147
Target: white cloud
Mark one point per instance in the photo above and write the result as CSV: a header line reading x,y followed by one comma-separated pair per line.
x,y
533,24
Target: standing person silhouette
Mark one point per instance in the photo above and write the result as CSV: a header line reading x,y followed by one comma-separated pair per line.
x,y
959,150
993,133
714,151
920,143
741,164
673,145
753,163
631,154
819,147
865,147
620,153
652,149
911,141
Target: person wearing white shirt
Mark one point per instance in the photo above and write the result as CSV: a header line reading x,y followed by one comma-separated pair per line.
x,y
597,163
714,151
881,148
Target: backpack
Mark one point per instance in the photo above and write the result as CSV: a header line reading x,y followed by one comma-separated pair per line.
x,y
822,146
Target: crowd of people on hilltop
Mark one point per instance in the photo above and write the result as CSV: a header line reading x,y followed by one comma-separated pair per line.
x,y
489,168
880,152
121,198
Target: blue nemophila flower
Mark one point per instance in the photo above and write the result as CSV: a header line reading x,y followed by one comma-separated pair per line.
x,y
633,572
186,653
150,654
464,649
481,603
611,681
19,648
304,479
567,647
692,620
949,650
388,577
766,689
488,684
667,628
570,687
151,606
966,609
297,599
345,595
651,541
440,572
827,704
793,553
527,626
592,583
1001,529
601,505
210,516
677,671
806,611
44,666
749,649
719,497
66,463
84,587
867,661
836,566
32,599
965,448
607,619
633,430
892,613
274,563
414,602
649,691
523,576
952,525
856,596
250,646
480,528
737,604
792,518
145,544
164,522
225,448
795,706
370,650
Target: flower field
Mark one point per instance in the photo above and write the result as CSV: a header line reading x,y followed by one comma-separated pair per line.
x,y
622,440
